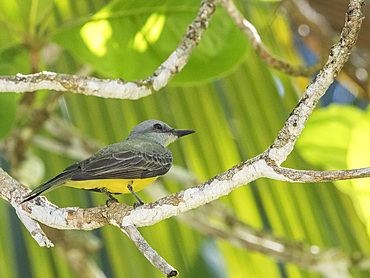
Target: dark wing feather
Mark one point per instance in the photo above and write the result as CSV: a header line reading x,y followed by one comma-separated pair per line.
x,y
125,165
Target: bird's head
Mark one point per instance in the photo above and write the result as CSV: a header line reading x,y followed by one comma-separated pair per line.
x,y
157,131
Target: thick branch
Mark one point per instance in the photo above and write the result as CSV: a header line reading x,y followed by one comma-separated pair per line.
x,y
264,165
223,184
118,88
339,55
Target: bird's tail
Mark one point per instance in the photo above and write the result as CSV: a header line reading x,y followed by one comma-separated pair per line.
x,y
52,184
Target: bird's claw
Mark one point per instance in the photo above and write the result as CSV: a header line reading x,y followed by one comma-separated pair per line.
x,y
137,204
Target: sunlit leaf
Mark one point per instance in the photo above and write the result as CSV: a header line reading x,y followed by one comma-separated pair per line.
x,y
327,136
359,157
130,40
337,137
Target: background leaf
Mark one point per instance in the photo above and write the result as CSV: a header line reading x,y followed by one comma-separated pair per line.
x,y
327,136
142,34
346,134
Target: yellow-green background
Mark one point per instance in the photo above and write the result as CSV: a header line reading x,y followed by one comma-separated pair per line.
x,y
226,94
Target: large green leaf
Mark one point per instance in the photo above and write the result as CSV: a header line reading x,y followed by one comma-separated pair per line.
x,y
337,137
130,39
327,136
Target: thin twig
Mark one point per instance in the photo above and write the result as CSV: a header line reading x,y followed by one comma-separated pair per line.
x,y
152,256
265,54
305,176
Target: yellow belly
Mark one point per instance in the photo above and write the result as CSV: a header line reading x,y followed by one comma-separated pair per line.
x,y
112,185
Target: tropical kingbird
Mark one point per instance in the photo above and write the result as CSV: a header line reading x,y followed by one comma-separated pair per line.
x,y
124,167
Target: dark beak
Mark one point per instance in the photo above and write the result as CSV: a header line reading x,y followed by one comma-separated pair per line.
x,y
180,133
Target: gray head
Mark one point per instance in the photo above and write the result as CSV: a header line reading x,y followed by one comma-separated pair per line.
x,y
157,131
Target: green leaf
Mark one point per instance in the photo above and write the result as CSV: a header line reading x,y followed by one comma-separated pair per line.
x,y
130,39
359,157
327,136
26,17
221,50
337,137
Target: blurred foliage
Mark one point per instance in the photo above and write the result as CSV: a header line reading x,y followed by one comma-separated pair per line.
x,y
337,137
7,113
236,117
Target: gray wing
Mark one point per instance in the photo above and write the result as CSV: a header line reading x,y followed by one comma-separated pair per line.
x,y
124,165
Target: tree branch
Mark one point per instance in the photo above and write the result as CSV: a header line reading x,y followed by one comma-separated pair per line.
x,y
118,88
293,175
217,220
149,252
11,191
263,165
338,56
35,230
329,263
261,49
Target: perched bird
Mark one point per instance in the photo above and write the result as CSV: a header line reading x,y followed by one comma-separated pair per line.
x,y
124,167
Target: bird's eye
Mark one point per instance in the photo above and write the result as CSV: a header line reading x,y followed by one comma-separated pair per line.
x,y
158,126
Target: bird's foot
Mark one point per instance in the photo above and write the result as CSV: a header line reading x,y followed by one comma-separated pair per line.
x,y
136,204
111,199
